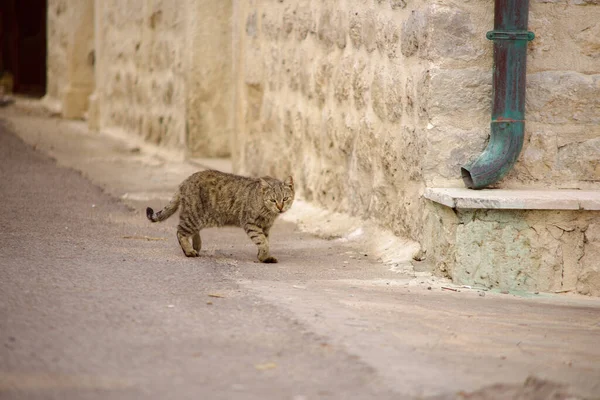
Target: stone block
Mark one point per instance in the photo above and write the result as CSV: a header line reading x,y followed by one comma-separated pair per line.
x,y
304,20
439,32
576,26
580,160
294,68
515,250
563,97
388,35
494,254
360,175
509,249
360,82
271,23
355,29
439,237
322,78
397,4
394,96
333,175
589,278
343,79
332,28
378,93
413,33
392,163
369,30
326,31
422,85
588,41
288,21
538,157
343,136
448,149
413,147
572,250
305,78
341,29
461,98
592,233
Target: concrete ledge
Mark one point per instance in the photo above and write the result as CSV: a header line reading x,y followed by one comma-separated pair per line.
x,y
515,199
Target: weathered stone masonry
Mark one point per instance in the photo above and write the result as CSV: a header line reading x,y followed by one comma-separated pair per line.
x,y
162,70
327,94
368,103
535,250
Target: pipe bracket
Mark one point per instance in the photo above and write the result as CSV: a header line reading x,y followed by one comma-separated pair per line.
x,y
510,35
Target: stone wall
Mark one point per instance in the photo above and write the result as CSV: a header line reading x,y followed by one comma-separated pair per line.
x,y
160,72
562,140
562,131
369,102
325,92
141,55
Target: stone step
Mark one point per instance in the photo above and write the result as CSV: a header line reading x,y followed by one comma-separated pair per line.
x,y
533,240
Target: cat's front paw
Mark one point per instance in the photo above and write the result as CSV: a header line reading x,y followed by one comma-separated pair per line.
x,y
270,260
192,253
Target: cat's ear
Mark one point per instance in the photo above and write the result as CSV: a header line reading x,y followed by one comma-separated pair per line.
x,y
289,182
264,184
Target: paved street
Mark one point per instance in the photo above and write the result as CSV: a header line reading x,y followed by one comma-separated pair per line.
x,y
97,303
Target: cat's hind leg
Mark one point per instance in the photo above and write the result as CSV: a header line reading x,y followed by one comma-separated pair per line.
x,y
188,228
257,236
197,242
183,236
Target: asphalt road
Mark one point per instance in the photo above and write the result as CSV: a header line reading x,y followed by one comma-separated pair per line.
x,y
98,303
86,313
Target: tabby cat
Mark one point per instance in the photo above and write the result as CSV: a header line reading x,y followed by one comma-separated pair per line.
x,y
212,198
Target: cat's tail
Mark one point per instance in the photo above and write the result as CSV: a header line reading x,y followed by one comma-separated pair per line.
x,y
165,212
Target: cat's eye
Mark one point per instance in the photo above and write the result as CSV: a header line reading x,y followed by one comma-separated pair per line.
x,y
286,198
274,201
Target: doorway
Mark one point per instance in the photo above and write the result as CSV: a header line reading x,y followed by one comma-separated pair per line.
x,y
23,46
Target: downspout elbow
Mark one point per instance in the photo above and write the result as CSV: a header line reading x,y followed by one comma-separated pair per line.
x,y
498,158
510,37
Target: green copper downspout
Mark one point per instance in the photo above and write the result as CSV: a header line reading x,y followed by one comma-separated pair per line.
x,y
510,38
